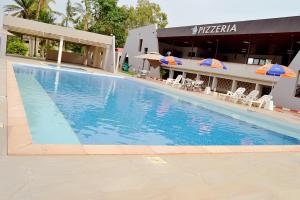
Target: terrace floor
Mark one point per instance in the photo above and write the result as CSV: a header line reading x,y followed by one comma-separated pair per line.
x,y
204,176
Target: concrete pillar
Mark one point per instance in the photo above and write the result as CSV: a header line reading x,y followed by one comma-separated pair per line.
x,y
60,49
95,57
99,57
118,56
183,74
90,55
171,74
36,46
35,50
101,61
114,53
85,55
105,56
31,46
234,86
3,42
198,77
214,83
259,88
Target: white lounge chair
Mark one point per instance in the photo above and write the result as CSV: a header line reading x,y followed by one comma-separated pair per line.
x,y
252,96
197,85
261,101
186,83
177,81
234,96
170,81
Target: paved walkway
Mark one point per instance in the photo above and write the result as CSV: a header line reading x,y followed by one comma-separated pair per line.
x,y
219,176
207,176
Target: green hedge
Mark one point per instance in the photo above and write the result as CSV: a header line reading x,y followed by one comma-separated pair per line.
x,y
16,46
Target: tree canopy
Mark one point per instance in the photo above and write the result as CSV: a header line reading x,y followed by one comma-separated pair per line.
x,y
99,16
39,10
146,13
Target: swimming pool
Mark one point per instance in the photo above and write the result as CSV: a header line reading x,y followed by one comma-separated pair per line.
x,y
73,107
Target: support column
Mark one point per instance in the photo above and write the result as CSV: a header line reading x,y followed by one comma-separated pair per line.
x,y
105,56
99,57
95,56
114,53
90,55
198,77
31,46
171,74
214,83
259,88
234,86
61,44
183,74
3,45
85,55
34,51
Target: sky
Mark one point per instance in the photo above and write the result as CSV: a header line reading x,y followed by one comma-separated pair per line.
x,y
196,12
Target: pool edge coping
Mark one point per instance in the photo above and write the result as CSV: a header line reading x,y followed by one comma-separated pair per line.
x,y
19,138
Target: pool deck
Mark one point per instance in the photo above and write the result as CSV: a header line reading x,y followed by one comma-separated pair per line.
x,y
246,176
20,141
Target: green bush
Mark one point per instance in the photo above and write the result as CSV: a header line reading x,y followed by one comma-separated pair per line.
x,y
16,46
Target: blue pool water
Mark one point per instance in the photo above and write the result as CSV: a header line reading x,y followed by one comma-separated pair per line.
x,y
65,107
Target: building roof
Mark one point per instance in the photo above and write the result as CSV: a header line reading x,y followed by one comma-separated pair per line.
x,y
50,31
262,26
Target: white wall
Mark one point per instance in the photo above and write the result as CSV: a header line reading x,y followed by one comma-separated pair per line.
x,y
284,91
150,41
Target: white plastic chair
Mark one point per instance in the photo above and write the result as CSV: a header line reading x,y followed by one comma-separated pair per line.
x,y
177,83
197,84
170,81
261,101
234,96
252,96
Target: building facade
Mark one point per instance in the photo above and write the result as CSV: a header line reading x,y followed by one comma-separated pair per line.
x,y
243,46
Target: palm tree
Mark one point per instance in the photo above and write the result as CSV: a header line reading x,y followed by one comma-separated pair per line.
x,y
84,20
70,14
42,6
21,8
84,14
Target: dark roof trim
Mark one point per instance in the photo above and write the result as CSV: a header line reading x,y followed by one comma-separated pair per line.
x,y
262,26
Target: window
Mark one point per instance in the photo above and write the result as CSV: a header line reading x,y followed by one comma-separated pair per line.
x,y
262,62
250,61
140,45
297,92
258,61
255,61
145,50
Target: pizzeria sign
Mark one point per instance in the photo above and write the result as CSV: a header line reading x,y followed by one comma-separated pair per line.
x,y
212,29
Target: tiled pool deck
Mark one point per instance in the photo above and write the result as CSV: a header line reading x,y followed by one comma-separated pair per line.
x,y
20,141
250,176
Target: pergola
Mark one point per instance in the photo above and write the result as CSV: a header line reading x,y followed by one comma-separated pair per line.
x,y
101,47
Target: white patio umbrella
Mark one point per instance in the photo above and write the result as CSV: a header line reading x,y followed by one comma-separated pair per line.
x,y
152,57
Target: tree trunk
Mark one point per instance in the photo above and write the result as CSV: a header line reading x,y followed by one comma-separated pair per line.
x,y
40,5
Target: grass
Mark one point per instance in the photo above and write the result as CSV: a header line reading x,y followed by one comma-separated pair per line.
x,y
129,73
